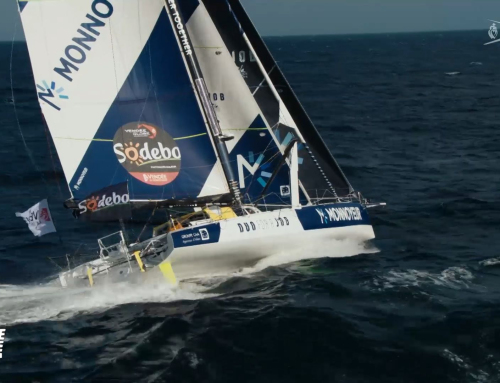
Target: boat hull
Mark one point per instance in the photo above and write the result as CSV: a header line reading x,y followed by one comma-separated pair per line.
x,y
243,241
232,244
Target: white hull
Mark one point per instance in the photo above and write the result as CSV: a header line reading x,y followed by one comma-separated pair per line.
x,y
229,245
236,250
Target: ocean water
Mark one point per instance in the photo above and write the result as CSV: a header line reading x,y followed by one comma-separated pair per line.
x,y
420,304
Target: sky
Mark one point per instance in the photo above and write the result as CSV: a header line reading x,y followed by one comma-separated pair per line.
x,y
306,17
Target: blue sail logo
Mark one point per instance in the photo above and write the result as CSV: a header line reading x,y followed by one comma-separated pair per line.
x,y
49,94
252,166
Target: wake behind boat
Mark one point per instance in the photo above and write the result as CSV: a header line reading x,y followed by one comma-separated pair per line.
x,y
161,105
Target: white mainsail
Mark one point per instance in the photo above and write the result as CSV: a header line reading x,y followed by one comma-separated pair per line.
x,y
99,66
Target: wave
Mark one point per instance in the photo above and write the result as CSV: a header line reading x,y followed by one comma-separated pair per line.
x,y
456,278
490,262
327,249
29,304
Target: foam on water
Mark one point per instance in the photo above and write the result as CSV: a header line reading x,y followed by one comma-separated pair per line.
x,y
473,374
327,249
453,278
490,262
25,304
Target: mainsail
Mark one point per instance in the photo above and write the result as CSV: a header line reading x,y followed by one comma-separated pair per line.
x,y
118,101
125,102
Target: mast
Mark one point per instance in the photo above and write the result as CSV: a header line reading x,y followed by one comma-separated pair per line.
x,y
184,40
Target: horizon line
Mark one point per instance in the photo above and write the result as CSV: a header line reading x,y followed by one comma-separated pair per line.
x,y
379,33
344,33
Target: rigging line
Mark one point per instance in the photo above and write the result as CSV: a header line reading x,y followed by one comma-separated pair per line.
x,y
147,223
248,129
193,136
52,160
160,114
175,139
263,81
150,217
107,140
83,139
151,85
208,47
30,155
113,53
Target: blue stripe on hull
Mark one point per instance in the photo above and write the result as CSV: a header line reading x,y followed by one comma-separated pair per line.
x,y
333,215
197,236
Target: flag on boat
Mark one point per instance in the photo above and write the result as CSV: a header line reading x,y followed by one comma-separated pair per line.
x,y
39,219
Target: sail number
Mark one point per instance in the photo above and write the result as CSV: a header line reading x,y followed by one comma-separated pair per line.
x,y
220,96
243,56
263,224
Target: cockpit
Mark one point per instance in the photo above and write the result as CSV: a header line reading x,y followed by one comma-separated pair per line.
x,y
202,217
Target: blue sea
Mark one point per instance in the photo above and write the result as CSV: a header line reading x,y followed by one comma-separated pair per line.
x,y
419,304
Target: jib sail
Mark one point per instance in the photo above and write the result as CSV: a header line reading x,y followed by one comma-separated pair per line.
x,y
319,173
118,100
254,151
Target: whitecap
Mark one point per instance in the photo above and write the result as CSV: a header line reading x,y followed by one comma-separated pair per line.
x,y
28,304
453,278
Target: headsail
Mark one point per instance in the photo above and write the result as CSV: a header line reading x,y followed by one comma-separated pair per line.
x,y
319,173
254,151
118,101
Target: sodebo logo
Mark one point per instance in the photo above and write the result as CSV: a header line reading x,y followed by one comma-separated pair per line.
x,y
148,153
99,202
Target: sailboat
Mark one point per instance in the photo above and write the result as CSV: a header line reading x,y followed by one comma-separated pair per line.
x,y
178,105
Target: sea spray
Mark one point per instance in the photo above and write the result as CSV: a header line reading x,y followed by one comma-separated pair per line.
x,y
27,304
